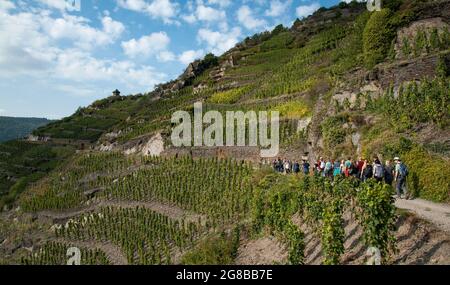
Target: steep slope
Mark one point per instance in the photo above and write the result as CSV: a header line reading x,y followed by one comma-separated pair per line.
x,y
346,82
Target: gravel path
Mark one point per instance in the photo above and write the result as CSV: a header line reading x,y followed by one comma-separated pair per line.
x,y
438,214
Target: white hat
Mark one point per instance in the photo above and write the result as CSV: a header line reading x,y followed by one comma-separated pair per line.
x,y
396,158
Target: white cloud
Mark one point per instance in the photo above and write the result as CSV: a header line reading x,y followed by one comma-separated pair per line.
x,y
190,55
221,3
2,111
209,14
248,20
278,8
77,91
78,30
205,14
157,9
218,42
29,46
166,56
146,45
6,5
306,10
164,9
258,2
80,66
56,4
189,18
134,5
113,28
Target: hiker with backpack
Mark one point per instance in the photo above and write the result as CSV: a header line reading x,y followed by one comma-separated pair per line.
x,y
328,169
347,166
342,166
359,166
367,171
378,170
400,175
280,165
336,168
305,166
287,166
353,169
321,164
296,167
388,173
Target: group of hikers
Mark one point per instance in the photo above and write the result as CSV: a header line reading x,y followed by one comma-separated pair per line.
x,y
362,169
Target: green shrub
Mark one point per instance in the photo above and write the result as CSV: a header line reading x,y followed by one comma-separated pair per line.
x,y
220,250
377,217
377,37
428,175
332,131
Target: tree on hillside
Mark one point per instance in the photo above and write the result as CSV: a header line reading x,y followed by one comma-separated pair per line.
x,y
377,37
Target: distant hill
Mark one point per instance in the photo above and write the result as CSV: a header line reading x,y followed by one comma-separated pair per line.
x,y
13,128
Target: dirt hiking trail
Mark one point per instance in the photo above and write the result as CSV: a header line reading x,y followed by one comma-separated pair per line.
x,y
438,214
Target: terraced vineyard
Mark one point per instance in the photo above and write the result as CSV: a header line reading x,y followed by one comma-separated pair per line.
x,y
217,195
346,82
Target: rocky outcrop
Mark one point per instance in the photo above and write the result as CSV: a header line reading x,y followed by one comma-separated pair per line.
x,y
303,124
406,37
33,138
193,70
321,17
107,146
152,147
352,96
218,73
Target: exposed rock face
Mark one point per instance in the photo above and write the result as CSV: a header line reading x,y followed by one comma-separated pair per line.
x,y
191,70
408,71
303,124
105,147
190,73
408,34
112,135
218,73
153,147
352,95
32,138
356,138
311,24
341,96
200,88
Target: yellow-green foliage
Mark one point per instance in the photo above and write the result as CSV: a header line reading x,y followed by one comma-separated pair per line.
x,y
229,96
429,175
293,110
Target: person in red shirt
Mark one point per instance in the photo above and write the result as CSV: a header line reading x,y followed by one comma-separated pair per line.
x,y
359,166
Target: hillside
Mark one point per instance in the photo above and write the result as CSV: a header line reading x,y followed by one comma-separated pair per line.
x,y
15,128
347,83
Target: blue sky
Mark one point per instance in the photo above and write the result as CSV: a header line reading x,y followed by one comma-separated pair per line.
x,y
54,58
